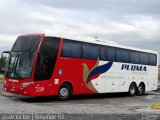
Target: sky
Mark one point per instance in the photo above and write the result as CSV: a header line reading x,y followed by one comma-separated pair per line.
x,y
134,23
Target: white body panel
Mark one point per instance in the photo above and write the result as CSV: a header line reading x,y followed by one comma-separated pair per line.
x,y
118,80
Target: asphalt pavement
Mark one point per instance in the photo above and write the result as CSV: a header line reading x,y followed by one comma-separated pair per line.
x,y
84,106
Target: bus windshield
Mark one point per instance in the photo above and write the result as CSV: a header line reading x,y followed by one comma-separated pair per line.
x,y
26,44
21,57
20,65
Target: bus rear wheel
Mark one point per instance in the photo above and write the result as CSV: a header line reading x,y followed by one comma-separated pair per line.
x,y
132,89
140,90
65,92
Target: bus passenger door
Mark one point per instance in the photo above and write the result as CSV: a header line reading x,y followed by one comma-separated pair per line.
x,y
46,63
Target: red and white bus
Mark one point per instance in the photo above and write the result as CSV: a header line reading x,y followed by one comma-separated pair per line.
x,y
40,65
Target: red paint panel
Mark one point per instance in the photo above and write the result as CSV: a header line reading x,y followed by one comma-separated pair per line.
x,y
72,71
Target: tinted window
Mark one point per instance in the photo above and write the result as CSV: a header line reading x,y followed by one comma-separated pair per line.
x,y
104,53
144,58
91,51
134,57
71,49
27,43
123,55
47,58
152,59
111,54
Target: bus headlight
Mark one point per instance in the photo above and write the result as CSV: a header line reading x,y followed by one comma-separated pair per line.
x,y
26,84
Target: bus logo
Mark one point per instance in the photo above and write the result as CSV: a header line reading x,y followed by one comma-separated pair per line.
x,y
133,67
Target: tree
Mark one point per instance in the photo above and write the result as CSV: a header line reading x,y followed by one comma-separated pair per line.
x,y
3,62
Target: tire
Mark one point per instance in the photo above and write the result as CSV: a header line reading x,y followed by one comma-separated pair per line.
x,y
65,92
132,89
140,90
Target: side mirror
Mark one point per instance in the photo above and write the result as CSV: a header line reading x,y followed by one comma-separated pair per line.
x,y
5,52
5,58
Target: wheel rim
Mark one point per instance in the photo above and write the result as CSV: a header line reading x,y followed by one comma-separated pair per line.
x,y
64,92
140,89
132,90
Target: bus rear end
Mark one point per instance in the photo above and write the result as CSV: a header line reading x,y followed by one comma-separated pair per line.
x,y
30,65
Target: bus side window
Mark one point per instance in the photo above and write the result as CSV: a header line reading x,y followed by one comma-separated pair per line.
x,y
91,51
71,49
104,53
152,59
123,55
134,57
111,54
144,58
67,50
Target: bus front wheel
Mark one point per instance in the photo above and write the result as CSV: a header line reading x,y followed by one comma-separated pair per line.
x,y
132,89
65,92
